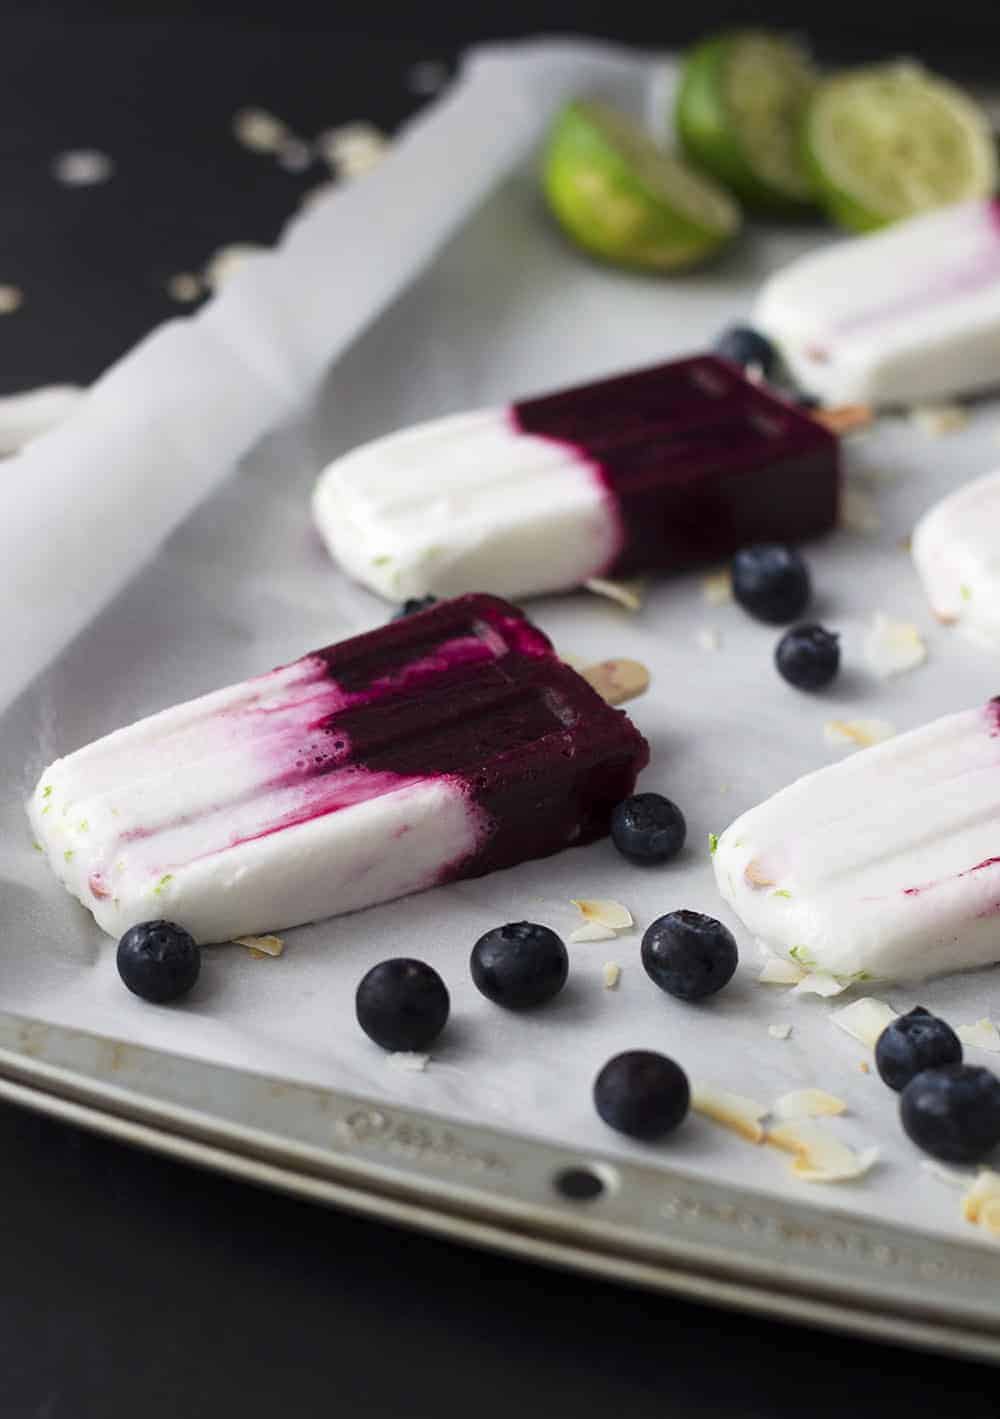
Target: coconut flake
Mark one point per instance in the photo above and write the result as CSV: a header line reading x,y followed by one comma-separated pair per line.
x,y
717,587
857,733
261,945
407,1059
819,1157
779,1032
808,1103
892,647
352,149
612,973
185,287
864,1019
733,1111
938,419
604,911
777,971
708,638
629,594
858,511
258,130
982,1035
11,299
592,931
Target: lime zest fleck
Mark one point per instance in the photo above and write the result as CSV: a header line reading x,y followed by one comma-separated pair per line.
x,y
713,842
163,883
47,807
802,956
47,791
966,592
68,854
382,561
781,893
37,846
83,826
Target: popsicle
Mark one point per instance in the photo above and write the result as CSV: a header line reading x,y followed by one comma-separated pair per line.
x,y
906,314
883,865
659,469
956,548
445,745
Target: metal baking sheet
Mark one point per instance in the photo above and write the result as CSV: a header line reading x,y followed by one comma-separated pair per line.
x,y
506,309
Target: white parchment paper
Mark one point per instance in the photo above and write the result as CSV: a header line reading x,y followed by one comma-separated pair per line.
x,y
435,284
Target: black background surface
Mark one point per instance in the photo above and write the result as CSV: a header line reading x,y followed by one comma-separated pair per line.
x,y
134,1287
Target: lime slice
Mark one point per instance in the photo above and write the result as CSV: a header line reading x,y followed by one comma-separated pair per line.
x,y
625,200
739,114
885,142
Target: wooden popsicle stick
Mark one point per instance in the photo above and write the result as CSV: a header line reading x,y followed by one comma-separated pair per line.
x,y
617,680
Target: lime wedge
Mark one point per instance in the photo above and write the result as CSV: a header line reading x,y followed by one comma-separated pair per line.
x,y
888,141
740,106
623,199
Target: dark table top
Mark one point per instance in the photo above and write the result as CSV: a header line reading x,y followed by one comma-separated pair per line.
x,y
136,1287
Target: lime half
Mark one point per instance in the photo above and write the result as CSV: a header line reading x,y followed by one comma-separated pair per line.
x,y
886,142
625,200
740,107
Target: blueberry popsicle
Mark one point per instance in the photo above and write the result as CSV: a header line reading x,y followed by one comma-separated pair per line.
x,y
956,548
445,745
905,314
884,865
659,469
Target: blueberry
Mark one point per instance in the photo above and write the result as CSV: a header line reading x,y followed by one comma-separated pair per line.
x,y
689,955
745,346
641,1093
953,1112
913,1043
771,582
519,965
414,604
808,657
402,1004
158,960
648,828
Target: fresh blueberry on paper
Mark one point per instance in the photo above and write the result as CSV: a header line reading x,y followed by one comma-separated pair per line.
x,y
158,960
413,605
648,828
402,1004
519,965
771,582
747,347
913,1043
953,1112
808,657
642,1093
689,955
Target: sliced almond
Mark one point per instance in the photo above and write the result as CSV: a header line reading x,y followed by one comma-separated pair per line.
x,y
592,931
629,594
612,973
845,418
756,875
821,983
261,945
857,733
717,587
808,1103
604,911
982,1035
733,1111
864,1019
617,680
817,1155
893,647
777,971
981,1203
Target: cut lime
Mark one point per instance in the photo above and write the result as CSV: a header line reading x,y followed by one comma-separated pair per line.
x,y
625,200
888,141
739,115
